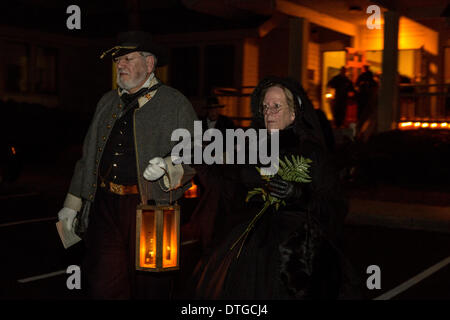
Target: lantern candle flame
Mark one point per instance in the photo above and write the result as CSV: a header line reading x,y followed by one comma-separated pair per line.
x,y
157,238
168,253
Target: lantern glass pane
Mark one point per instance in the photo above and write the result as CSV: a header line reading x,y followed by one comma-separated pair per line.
x,y
148,240
170,241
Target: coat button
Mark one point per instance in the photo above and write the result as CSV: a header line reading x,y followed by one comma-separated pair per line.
x,y
94,185
108,126
114,115
91,196
100,149
104,138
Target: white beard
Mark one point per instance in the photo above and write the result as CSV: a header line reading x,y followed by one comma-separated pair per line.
x,y
132,83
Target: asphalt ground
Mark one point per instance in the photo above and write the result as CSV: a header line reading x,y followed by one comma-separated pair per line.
x,y
33,258
31,248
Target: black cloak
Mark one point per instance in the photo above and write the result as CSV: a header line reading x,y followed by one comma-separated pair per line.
x,y
292,253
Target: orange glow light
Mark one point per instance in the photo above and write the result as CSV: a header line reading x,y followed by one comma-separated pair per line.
x,y
13,150
157,238
192,192
418,125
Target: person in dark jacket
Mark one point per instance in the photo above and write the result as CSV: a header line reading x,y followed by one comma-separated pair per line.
x,y
343,86
292,252
213,117
366,96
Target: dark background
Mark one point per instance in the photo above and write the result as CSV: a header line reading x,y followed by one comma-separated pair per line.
x,y
46,118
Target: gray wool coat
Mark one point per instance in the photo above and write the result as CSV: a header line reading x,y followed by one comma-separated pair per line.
x,y
154,122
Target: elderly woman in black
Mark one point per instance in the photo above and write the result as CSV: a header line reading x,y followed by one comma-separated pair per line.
x,y
290,253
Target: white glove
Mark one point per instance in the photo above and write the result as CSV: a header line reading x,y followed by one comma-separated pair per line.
x,y
66,216
155,169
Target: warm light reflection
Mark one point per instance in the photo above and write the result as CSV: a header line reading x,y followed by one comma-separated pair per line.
x,y
158,238
192,192
169,239
150,253
417,125
13,150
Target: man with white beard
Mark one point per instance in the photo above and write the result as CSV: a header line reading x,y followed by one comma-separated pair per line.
x,y
126,161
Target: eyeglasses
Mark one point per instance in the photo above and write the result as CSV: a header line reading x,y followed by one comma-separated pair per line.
x,y
265,109
127,60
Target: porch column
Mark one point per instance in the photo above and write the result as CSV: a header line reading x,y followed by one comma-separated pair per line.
x,y
387,99
298,49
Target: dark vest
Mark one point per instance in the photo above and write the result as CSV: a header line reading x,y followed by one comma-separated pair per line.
x,y
118,162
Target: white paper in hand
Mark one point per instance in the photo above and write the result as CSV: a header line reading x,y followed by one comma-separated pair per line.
x,y
68,238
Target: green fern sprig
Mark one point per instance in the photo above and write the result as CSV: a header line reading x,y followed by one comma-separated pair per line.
x,y
294,170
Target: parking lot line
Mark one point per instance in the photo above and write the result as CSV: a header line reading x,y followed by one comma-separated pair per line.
x,y
57,273
185,243
414,280
18,195
42,276
27,221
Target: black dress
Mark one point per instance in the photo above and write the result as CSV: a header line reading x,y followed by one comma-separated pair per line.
x,y
291,253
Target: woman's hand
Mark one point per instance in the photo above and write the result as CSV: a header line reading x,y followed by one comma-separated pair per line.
x,y
284,190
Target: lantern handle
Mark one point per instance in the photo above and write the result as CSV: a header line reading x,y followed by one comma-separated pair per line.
x,y
170,190
170,184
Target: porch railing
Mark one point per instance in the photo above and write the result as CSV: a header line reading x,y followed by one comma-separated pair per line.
x,y
429,102
424,102
237,104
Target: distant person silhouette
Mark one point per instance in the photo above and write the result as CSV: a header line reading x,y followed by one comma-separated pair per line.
x,y
213,117
366,95
342,85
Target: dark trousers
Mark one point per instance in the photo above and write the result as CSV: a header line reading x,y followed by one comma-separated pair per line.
x,y
109,265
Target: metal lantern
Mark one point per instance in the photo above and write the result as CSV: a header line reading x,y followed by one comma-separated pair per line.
x,y
158,238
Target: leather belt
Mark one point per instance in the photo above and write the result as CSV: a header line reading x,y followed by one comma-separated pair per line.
x,y
120,189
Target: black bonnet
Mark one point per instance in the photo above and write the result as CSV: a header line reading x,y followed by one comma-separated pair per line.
x,y
306,120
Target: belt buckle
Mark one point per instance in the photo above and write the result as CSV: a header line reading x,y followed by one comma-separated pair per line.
x,y
116,188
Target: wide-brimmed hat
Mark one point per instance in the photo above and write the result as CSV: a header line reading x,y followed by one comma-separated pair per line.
x,y
132,41
213,103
